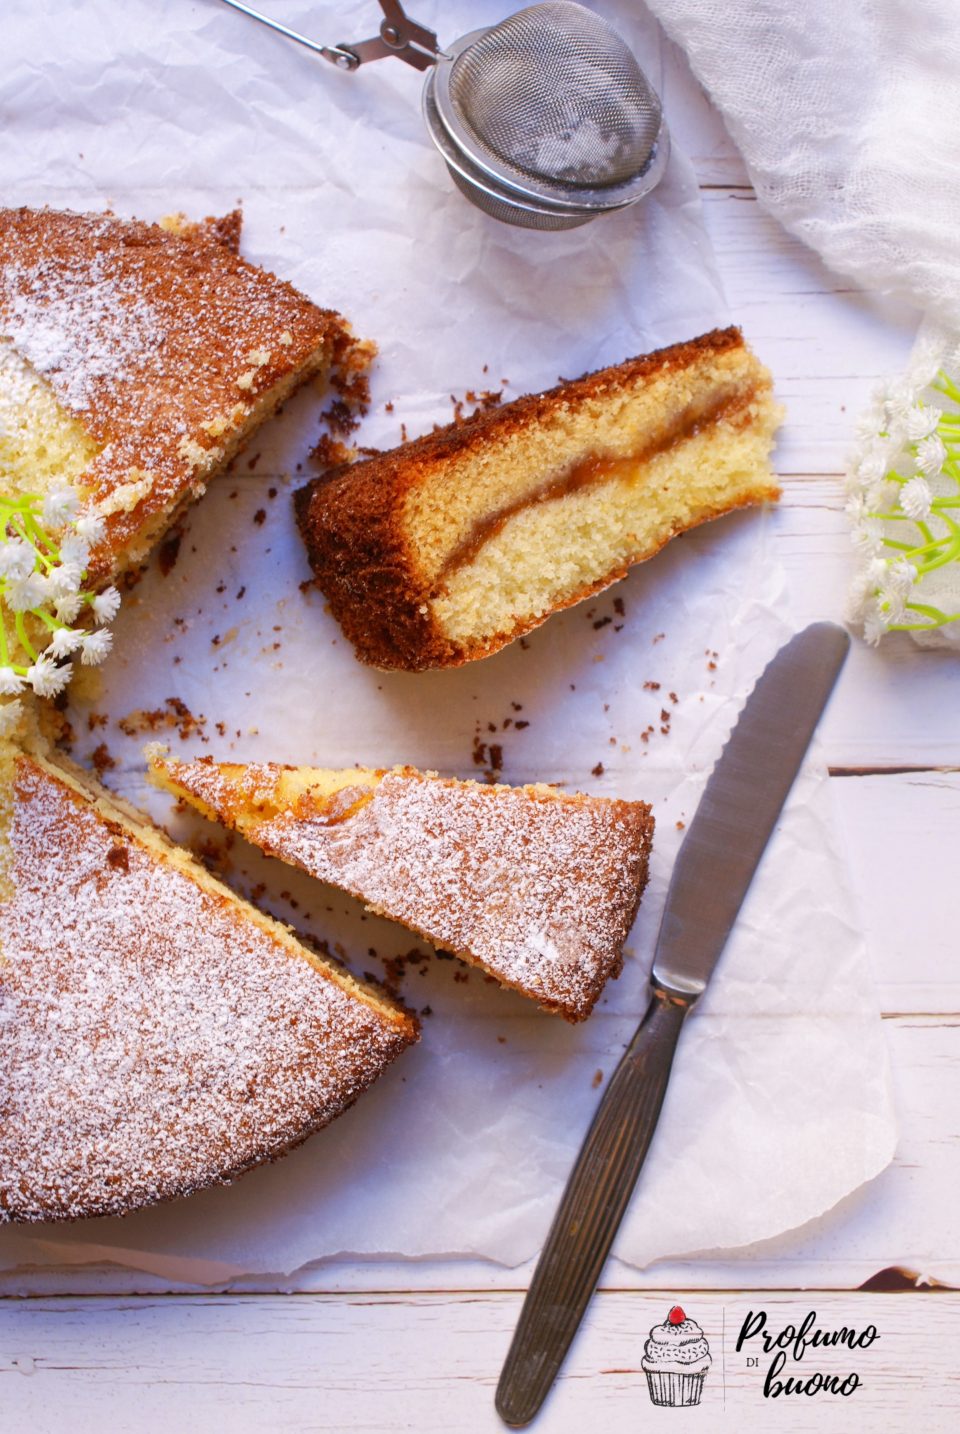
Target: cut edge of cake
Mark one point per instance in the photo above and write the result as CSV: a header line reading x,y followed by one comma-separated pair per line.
x,y
349,1030
90,304
447,548
536,887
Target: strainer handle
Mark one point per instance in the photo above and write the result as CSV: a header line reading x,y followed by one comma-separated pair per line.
x,y
399,35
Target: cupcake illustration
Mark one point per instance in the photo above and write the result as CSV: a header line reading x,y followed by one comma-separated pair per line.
x,y
676,1358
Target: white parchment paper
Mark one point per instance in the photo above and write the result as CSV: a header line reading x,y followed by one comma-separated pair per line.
x,y
779,1102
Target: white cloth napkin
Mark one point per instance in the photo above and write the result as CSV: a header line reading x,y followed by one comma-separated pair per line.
x,y
848,117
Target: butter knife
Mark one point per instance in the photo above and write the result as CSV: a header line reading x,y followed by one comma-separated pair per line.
x,y
722,849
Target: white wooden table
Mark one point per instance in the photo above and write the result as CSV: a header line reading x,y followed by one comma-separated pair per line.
x,y
419,1346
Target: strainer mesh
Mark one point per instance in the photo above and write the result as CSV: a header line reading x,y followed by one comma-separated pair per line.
x,y
556,93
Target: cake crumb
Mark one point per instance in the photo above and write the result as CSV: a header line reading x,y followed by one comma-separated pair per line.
x,y
169,551
119,858
101,760
174,714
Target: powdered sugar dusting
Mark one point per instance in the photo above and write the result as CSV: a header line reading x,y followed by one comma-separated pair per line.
x,y
153,1038
541,890
146,337
82,330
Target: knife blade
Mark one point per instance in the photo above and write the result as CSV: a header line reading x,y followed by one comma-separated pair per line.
x,y
721,851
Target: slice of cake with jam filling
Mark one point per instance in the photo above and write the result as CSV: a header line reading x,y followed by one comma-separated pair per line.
x,y
449,547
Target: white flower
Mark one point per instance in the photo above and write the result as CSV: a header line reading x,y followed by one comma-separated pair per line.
x,y
856,508
46,678
874,626
900,398
868,536
10,714
16,559
921,421
10,682
106,605
29,592
65,641
903,575
896,588
892,602
75,549
873,462
864,587
65,580
930,455
60,507
91,528
925,362
916,499
44,589
95,647
857,596
67,608
871,422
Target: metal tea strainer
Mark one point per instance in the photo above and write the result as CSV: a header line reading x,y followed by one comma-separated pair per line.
x,y
545,120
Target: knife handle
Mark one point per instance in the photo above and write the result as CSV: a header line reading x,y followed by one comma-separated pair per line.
x,y
590,1211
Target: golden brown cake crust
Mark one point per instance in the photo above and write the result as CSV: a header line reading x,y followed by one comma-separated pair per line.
x,y
165,345
156,1035
351,519
540,888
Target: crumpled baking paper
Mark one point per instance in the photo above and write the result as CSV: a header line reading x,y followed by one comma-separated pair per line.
x,y
779,1103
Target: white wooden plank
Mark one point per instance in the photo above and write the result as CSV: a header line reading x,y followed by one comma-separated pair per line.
x,y
431,1362
901,834
826,342
906,1217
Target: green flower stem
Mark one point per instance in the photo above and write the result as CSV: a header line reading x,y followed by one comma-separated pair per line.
x,y
938,618
914,549
944,384
53,623
949,555
25,642
22,531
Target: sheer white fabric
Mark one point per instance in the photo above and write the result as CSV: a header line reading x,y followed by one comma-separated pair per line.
x,y
847,113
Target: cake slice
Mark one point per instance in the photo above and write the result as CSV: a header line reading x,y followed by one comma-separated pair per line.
x,y
447,548
136,360
157,1034
539,888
